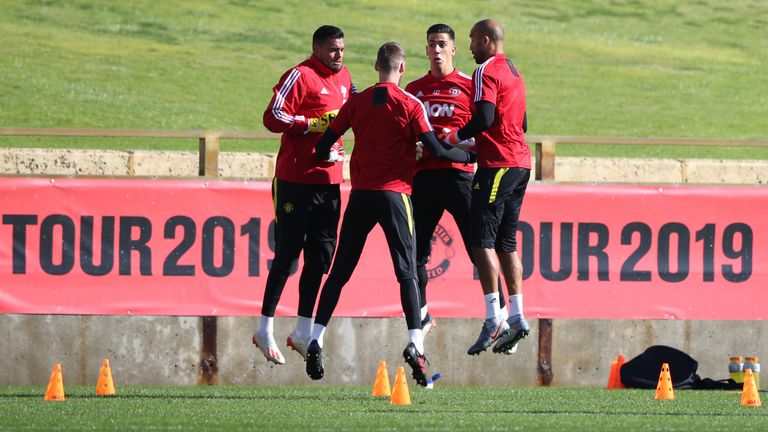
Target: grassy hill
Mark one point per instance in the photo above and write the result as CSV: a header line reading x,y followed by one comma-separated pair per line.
x,y
592,67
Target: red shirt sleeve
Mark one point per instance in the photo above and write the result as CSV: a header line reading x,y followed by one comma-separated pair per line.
x,y
280,115
488,85
419,122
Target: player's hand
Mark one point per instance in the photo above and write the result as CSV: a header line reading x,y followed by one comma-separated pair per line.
x,y
320,124
451,136
335,156
467,145
419,150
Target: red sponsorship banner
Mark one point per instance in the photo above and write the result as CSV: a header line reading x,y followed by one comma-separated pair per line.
x,y
202,247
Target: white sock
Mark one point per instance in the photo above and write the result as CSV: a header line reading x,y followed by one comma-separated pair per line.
x,y
492,305
266,325
516,305
417,337
504,312
318,331
424,311
303,327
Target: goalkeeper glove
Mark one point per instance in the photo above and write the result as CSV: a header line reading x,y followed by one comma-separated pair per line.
x,y
320,124
450,136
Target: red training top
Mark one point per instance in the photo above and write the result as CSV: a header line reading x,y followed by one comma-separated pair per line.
x,y
311,89
449,105
386,121
498,81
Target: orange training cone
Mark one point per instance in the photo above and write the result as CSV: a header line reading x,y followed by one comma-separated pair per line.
x,y
55,390
664,389
749,394
400,395
619,363
105,386
612,375
614,379
381,383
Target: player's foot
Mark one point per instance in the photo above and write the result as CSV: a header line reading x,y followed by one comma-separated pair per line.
x,y
489,334
418,362
428,324
315,361
518,330
266,343
298,344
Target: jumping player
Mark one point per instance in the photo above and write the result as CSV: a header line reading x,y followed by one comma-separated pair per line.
x,y
305,189
498,124
386,121
440,185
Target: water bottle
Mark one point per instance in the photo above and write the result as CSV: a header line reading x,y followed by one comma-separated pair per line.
x,y
752,363
736,369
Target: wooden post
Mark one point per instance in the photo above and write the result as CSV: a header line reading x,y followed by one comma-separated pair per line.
x,y
545,170
209,156
544,368
209,167
545,159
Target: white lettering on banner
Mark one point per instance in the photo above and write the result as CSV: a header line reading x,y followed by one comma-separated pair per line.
x,y
439,110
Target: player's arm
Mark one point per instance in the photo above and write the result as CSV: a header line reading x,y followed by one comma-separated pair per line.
x,y
482,119
323,146
445,151
281,113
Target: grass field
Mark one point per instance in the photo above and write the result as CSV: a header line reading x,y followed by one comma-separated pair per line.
x,y
326,408
626,67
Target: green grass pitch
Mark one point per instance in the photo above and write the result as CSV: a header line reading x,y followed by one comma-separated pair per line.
x,y
317,408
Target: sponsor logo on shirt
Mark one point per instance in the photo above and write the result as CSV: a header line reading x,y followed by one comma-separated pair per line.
x,y
436,92
438,109
324,91
419,94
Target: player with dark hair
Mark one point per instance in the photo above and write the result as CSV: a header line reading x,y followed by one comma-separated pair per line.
x,y
504,164
386,121
305,189
440,185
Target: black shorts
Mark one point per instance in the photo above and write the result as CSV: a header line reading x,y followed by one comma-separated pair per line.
x,y
306,218
434,192
366,208
497,196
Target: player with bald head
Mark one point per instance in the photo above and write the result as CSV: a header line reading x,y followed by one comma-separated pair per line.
x,y
498,125
441,186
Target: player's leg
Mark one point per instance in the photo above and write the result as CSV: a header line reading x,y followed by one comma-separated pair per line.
x,y
512,267
486,213
458,202
291,209
396,220
322,226
359,220
427,210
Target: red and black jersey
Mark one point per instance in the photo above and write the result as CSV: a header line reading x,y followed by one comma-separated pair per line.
x,y
386,121
449,105
308,90
499,82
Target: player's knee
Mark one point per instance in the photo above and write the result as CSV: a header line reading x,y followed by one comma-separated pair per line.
x,y
283,265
